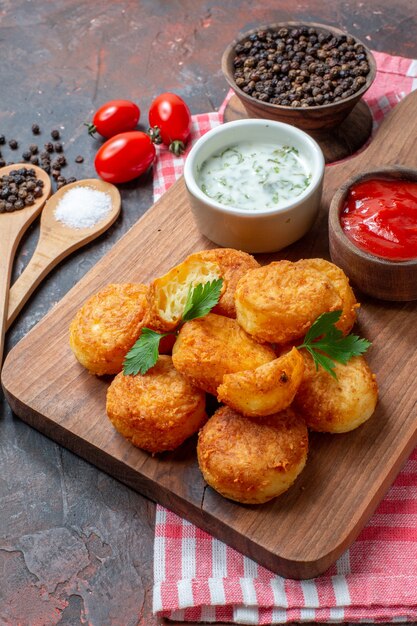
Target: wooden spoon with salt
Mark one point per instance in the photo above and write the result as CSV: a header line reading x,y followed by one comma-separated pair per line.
x,y
12,227
57,241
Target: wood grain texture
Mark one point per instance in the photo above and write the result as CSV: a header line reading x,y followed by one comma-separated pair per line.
x,y
57,241
337,143
345,477
375,276
12,227
327,116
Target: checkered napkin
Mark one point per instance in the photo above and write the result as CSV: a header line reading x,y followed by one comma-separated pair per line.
x,y
198,578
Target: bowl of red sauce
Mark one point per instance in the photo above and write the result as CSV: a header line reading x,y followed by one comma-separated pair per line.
x,y
373,232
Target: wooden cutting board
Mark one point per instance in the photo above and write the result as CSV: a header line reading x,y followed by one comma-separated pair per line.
x,y
301,533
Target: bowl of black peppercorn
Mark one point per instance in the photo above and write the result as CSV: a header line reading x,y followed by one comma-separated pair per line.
x,y
308,75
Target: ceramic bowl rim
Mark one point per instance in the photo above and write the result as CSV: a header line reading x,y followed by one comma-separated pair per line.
x,y
317,173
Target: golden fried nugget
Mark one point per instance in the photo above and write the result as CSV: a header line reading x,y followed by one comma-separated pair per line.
x,y
268,389
168,294
233,265
212,346
156,411
337,406
107,326
252,460
280,301
341,282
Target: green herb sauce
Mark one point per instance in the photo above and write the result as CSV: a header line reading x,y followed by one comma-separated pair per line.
x,y
252,175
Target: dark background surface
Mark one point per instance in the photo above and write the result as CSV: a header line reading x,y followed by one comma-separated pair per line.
x,y
75,545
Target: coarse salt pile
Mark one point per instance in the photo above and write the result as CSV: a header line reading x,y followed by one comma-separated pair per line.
x,y
83,207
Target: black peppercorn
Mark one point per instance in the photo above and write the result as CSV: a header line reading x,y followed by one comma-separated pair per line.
x,y
33,148
58,146
49,147
79,159
2,140
55,134
287,66
35,129
26,155
13,144
34,160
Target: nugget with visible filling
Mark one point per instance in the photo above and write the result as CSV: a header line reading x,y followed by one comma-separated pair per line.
x,y
341,282
268,389
107,326
212,346
233,265
280,301
337,406
252,460
168,294
156,411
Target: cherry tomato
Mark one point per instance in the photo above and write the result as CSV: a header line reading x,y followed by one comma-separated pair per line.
x,y
170,121
114,117
124,157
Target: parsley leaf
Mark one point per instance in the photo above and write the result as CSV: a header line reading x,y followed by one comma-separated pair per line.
x,y
144,353
201,299
327,344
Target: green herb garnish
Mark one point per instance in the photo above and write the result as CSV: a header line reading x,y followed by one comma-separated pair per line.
x,y
144,353
201,299
327,344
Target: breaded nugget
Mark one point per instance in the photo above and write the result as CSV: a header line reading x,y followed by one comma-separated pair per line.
x,y
212,346
337,406
280,301
168,294
233,265
268,389
107,326
252,460
156,411
341,282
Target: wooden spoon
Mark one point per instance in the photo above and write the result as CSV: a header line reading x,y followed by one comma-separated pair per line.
x,y
57,241
12,227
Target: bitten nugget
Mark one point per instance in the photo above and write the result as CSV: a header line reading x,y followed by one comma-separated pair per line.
x,y
280,301
107,326
268,389
341,283
157,411
233,265
212,346
168,294
337,406
252,460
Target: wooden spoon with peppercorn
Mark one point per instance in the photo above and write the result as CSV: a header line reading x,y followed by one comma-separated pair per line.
x,y
23,192
57,240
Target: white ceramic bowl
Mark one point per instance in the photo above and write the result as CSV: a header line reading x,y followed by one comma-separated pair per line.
x,y
260,229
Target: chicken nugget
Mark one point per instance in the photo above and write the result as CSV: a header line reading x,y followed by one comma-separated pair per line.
x,y
268,389
252,460
107,326
341,282
280,301
156,411
233,265
212,346
168,294
337,406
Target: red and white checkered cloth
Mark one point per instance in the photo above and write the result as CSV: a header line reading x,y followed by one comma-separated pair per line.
x,y
198,578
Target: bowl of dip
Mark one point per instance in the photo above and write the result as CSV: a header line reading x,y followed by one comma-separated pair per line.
x,y
307,74
373,232
254,184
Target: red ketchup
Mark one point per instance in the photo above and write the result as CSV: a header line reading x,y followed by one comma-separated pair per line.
x,y
380,217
